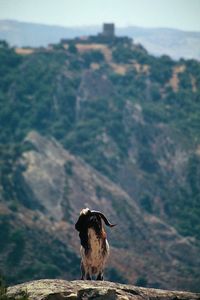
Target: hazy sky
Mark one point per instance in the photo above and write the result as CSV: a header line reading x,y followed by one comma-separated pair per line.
x,y
181,14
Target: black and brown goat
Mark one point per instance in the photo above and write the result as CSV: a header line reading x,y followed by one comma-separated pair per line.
x,y
94,245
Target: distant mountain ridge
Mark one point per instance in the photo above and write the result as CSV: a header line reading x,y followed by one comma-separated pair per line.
x,y
158,41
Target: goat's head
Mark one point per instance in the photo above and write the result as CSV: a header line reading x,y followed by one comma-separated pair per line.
x,y
91,219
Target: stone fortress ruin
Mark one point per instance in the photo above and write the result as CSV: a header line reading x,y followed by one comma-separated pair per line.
x,y
107,36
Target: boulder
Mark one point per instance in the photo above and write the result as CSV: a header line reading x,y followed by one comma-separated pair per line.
x,y
56,289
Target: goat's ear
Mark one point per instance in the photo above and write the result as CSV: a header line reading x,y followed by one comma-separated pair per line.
x,y
78,225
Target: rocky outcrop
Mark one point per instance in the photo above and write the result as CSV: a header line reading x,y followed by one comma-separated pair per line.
x,y
93,86
60,289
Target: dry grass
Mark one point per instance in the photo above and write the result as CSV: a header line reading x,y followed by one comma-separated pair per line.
x,y
141,68
119,68
103,48
24,51
174,81
4,210
95,66
198,150
193,82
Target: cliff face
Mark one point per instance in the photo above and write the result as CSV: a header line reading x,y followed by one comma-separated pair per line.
x,y
80,290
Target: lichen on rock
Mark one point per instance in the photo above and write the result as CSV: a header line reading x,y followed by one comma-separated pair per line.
x,y
49,289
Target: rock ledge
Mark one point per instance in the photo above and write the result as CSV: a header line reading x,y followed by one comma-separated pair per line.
x,y
54,289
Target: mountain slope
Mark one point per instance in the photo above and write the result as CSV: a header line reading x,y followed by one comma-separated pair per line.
x,y
60,185
104,125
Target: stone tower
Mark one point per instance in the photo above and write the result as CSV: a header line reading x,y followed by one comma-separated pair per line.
x,y
108,30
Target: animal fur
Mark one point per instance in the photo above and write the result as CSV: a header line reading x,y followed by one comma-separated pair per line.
x,y
94,245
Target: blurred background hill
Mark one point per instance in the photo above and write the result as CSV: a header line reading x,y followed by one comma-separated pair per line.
x,y
158,41
109,126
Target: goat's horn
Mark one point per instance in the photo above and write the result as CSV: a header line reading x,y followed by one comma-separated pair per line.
x,y
103,217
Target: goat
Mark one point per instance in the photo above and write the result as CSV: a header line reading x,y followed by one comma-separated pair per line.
x,y
94,245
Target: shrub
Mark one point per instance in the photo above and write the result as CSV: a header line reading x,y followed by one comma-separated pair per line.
x,y
3,293
141,281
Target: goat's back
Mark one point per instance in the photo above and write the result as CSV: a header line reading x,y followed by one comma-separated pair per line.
x,y
95,258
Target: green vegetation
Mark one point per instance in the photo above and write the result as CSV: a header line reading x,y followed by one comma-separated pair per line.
x,y
92,57
16,254
125,53
141,281
69,168
5,233
3,293
72,48
161,69
138,119
115,276
28,254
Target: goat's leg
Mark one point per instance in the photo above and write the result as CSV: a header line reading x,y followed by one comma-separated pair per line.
x,y
82,271
100,276
88,277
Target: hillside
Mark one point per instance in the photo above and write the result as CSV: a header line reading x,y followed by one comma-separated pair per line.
x,y
158,41
110,127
